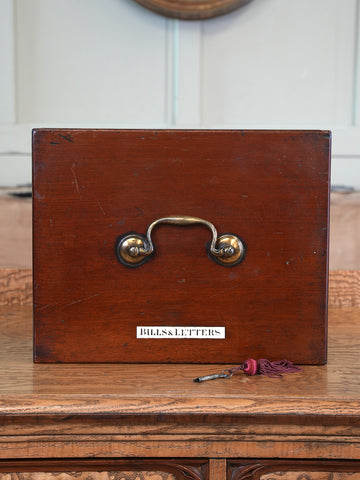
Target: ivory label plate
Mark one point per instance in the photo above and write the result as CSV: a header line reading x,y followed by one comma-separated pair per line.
x,y
180,332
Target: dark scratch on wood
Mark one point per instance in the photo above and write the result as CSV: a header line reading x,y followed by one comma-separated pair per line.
x,y
141,213
66,137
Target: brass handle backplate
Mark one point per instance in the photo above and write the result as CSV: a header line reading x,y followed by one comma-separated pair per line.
x,y
134,249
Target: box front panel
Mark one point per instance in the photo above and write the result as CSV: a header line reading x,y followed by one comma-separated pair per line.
x,y
92,186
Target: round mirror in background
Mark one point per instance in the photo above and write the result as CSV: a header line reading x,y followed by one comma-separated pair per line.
x,y
192,9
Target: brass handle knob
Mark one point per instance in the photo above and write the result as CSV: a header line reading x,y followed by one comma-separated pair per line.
x,y
134,249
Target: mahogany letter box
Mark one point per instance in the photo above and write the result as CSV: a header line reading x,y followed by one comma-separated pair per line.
x,y
180,246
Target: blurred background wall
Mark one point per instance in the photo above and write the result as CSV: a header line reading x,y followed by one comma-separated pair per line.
x,y
112,63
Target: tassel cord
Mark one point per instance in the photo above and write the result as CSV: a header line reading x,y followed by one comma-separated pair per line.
x,y
265,367
255,367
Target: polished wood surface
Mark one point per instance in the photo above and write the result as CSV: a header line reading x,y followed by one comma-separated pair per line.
x,y
271,188
325,387
121,410
16,230
16,287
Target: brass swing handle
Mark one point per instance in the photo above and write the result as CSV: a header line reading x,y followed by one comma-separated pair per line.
x,y
134,249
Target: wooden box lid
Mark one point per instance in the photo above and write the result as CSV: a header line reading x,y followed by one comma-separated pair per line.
x,y
269,188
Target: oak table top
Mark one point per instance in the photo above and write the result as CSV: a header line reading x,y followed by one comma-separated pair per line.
x,y
136,408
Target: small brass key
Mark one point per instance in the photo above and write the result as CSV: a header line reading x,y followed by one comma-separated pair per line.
x,y
213,376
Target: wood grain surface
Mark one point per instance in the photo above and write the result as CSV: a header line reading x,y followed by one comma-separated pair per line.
x,y
292,470
311,475
151,410
16,230
105,469
118,475
344,288
344,231
217,468
90,187
16,287
93,388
